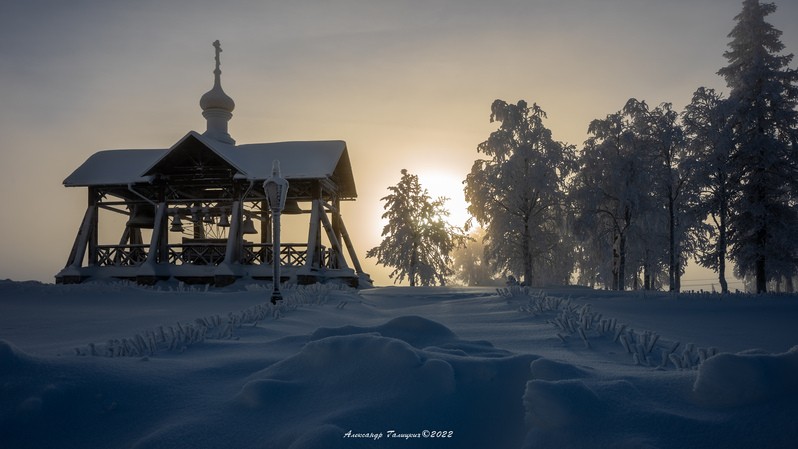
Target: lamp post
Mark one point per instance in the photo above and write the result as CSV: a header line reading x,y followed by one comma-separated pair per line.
x,y
276,188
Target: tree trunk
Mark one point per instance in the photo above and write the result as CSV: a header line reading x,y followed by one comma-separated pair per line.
x,y
621,262
526,254
627,219
413,264
672,282
761,243
762,190
724,286
615,262
761,275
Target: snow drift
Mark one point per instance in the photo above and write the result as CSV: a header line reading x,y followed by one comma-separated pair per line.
x,y
392,367
732,380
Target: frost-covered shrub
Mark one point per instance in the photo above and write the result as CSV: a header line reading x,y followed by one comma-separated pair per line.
x,y
180,336
645,348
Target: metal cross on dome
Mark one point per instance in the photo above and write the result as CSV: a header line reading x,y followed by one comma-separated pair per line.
x,y
218,46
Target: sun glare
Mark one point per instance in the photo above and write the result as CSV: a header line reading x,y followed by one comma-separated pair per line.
x,y
450,185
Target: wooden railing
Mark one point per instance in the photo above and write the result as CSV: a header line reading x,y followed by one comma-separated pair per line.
x,y
121,255
197,253
212,253
291,255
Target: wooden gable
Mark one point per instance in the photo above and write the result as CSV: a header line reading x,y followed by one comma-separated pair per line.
x,y
191,161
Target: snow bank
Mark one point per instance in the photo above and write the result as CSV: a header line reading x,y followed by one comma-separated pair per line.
x,y
552,405
488,369
415,330
736,401
730,380
383,368
394,377
546,369
577,413
11,358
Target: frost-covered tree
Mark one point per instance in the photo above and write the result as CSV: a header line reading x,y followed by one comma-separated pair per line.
x,y
763,98
470,265
671,182
518,194
709,144
611,195
418,241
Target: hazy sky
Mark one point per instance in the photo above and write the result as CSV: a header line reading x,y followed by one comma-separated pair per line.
x,y
408,84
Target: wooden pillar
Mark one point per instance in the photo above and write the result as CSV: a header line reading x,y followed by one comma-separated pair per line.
x,y
336,218
71,274
318,200
339,254
158,230
148,273
94,196
225,273
162,224
78,251
313,257
127,237
233,250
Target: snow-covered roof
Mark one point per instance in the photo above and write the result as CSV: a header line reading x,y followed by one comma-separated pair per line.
x,y
111,167
298,160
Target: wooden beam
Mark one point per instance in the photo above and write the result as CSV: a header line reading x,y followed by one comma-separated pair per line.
x,y
336,219
157,230
350,247
329,186
126,237
113,209
93,227
313,260
339,253
162,224
78,251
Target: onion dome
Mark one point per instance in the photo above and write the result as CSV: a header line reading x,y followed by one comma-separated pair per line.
x,y
217,106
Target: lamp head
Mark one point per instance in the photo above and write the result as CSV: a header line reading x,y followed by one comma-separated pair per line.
x,y
276,188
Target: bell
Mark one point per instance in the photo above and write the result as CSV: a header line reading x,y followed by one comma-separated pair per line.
x,y
206,216
142,216
224,222
292,208
248,226
177,224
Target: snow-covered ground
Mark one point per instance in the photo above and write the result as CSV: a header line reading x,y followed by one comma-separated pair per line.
x,y
393,368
